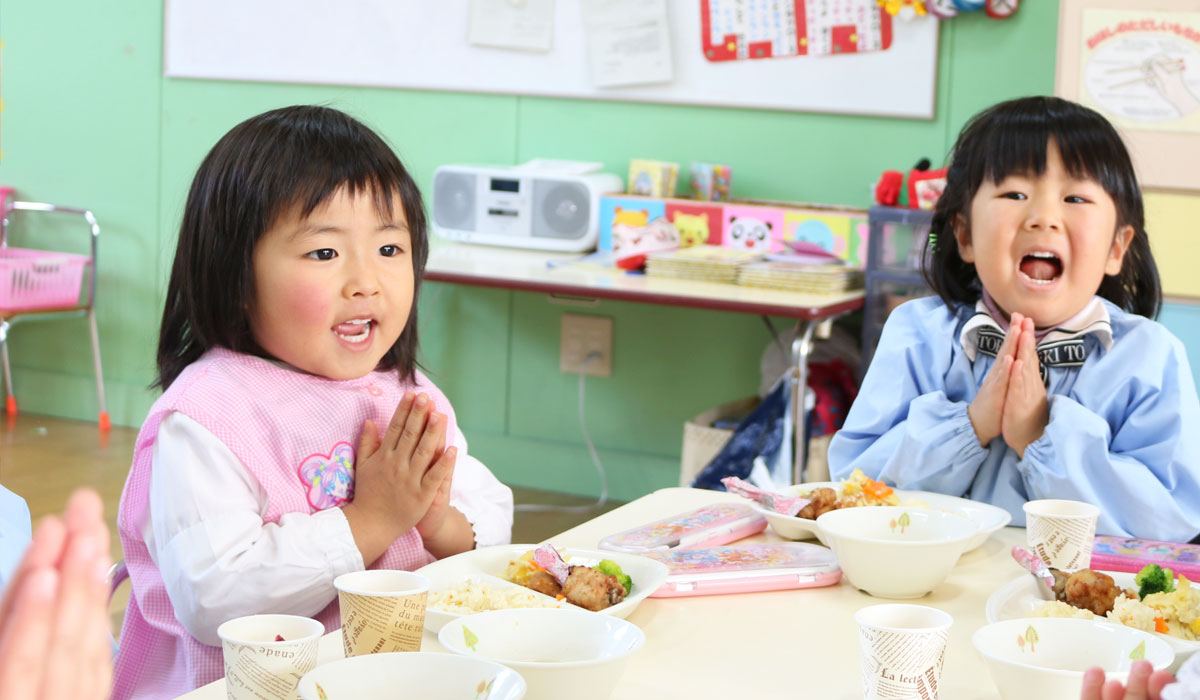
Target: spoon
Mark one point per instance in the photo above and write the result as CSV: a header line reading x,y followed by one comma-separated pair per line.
x,y
1046,576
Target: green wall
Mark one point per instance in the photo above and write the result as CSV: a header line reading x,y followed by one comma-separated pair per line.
x,y
90,121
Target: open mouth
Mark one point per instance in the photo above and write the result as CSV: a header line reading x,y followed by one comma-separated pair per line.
x,y
1041,267
354,331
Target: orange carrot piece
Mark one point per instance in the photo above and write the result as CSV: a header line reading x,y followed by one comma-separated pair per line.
x,y
877,489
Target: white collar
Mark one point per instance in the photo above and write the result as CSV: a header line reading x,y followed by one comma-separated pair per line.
x,y
1093,319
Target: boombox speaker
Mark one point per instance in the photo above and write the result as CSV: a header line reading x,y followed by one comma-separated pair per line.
x,y
548,205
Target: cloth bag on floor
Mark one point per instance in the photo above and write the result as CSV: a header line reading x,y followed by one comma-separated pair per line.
x,y
760,450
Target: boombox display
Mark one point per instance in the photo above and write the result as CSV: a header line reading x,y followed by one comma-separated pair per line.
x,y
548,205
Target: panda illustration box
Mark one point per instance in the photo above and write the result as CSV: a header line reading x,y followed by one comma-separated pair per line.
x,y
628,223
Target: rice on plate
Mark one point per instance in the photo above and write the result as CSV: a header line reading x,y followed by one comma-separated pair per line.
x,y
1176,613
1179,610
474,595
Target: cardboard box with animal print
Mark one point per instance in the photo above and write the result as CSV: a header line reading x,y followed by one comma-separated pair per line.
x,y
629,223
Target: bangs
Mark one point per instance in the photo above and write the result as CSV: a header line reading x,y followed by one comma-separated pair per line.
x,y
1014,141
306,175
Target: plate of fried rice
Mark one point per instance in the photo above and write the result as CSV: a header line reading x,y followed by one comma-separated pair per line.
x,y
1174,616
480,580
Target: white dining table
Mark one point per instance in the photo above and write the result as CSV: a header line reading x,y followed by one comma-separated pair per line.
x,y
783,644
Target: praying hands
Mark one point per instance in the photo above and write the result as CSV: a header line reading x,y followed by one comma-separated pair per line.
x,y
1012,400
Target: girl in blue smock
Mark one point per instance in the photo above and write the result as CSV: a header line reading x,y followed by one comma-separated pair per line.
x,y
1036,372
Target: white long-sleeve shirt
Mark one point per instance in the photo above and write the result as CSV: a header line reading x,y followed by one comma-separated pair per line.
x,y
220,560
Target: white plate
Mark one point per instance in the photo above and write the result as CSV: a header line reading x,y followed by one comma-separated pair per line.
x,y
647,575
1019,598
988,518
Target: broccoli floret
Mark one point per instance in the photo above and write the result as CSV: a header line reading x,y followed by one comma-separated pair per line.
x,y
1154,579
612,568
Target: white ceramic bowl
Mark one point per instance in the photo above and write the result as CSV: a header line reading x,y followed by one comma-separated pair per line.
x,y
560,652
987,517
1046,657
425,675
894,551
487,564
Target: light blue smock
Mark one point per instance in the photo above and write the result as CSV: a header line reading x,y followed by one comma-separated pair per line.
x,y
15,533
1124,431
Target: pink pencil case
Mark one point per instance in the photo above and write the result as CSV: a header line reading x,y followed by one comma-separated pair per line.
x,y
708,526
746,568
1112,553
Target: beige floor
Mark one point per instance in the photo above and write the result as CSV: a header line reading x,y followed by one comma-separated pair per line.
x,y
43,459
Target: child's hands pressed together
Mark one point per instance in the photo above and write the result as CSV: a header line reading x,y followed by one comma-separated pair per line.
x,y
1026,411
431,523
1012,400
398,476
987,410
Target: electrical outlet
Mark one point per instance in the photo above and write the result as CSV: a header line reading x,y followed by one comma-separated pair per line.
x,y
583,337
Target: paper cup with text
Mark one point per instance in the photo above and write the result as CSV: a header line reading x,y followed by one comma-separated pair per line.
x,y
257,666
382,610
903,649
1061,532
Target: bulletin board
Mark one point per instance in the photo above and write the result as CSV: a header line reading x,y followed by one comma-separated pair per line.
x,y
1137,62
422,44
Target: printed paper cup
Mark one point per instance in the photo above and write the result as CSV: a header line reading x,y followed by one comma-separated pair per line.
x,y
382,610
1061,532
903,649
257,666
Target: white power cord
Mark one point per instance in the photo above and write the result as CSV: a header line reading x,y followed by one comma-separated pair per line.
x,y
587,437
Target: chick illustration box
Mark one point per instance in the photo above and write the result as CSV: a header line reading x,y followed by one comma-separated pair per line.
x,y
631,225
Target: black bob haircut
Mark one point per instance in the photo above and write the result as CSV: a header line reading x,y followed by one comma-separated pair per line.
x,y
262,169
1012,138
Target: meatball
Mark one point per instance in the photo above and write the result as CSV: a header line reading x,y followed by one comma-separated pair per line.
x,y
592,589
1091,590
822,500
543,582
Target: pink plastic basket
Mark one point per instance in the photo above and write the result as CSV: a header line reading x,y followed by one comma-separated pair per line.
x,y
39,279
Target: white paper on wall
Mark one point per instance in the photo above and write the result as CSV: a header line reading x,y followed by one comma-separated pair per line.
x,y
629,42
524,25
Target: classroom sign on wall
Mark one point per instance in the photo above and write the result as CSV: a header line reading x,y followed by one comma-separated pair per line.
x,y
1137,62
1142,68
734,30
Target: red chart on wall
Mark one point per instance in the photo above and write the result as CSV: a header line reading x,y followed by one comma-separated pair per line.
x,y
734,30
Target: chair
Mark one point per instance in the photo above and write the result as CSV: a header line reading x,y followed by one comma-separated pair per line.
x,y
117,574
45,285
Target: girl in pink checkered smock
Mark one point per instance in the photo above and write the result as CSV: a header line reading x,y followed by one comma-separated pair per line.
x,y
295,440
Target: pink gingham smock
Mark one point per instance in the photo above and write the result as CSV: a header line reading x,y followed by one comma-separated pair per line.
x,y
276,421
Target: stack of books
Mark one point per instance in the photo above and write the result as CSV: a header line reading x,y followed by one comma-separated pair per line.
x,y
707,263
801,274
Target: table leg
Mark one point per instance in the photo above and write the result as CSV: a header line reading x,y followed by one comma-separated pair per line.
x,y
801,349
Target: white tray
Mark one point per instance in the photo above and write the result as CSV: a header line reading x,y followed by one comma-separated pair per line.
x,y
988,518
1019,598
647,575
